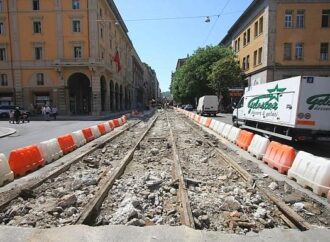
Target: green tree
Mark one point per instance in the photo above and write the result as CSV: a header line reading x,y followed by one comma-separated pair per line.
x,y
193,79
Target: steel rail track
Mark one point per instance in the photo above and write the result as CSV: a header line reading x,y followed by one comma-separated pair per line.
x,y
92,209
291,218
97,144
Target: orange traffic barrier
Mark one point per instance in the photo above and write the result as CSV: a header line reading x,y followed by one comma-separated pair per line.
x,y
101,129
66,143
116,123
25,160
329,196
279,156
88,134
112,124
208,122
244,139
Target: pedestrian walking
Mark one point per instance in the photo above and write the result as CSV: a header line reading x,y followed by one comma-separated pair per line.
x,y
54,112
11,116
47,112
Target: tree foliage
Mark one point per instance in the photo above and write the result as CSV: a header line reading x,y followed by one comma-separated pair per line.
x,y
200,76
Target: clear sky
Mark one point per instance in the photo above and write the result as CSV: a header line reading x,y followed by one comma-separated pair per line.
x,y
160,43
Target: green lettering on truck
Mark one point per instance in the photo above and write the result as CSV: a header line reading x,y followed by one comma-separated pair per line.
x,y
318,100
271,103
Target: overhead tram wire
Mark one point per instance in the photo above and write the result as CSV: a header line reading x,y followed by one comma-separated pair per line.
x,y
166,18
215,22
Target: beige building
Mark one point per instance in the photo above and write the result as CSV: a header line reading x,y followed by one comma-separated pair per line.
x,y
74,54
276,39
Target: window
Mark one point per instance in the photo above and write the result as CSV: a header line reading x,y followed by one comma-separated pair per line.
x,y
288,19
2,54
287,51
3,80
101,12
300,19
1,5
255,56
40,79
248,36
248,62
235,46
35,5
77,52
261,25
101,32
76,26
75,4
2,28
256,29
260,56
324,51
244,39
37,27
244,63
110,43
326,18
299,51
38,53
238,44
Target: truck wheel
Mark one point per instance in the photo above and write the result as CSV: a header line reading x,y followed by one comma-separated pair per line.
x,y
235,122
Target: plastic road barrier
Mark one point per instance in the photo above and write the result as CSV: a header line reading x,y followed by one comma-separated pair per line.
x,y
220,127
107,127
216,125
279,156
101,129
233,134
212,124
95,131
258,146
208,122
88,134
112,124
120,120
329,197
226,130
25,160
244,139
312,172
50,150
6,175
116,123
202,121
79,138
66,143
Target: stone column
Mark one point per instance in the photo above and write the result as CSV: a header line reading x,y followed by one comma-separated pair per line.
x,y
96,93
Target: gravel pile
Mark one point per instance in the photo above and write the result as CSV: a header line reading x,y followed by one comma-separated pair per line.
x,y
60,200
146,194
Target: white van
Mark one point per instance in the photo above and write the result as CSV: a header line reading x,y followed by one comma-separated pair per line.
x,y
208,105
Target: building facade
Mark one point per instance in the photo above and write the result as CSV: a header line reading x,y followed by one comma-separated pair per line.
x,y
276,39
73,54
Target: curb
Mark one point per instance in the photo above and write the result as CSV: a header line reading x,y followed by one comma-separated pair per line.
x,y
9,132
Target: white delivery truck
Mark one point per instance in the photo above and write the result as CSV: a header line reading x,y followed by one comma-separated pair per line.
x,y
208,105
296,108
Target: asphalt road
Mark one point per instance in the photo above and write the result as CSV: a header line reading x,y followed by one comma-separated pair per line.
x,y
38,131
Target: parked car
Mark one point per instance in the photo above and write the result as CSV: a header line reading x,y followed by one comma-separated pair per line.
x,y
5,110
188,107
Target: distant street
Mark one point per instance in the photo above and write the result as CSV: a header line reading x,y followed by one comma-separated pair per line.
x,y
37,131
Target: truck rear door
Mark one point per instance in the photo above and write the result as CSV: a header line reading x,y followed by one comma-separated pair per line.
x,y
286,108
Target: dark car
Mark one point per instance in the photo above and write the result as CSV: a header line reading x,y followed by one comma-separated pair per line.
x,y
188,107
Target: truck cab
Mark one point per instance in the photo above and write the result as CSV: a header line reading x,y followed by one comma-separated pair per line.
x,y
238,113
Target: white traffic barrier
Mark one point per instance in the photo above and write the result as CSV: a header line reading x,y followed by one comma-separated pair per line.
x,y
107,127
79,138
213,122
226,130
6,175
202,121
311,171
50,150
233,134
220,127
120,121
258,146
95,131
216,125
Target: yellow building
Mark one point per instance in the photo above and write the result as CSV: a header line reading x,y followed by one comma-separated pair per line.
x,y
73,54
276,39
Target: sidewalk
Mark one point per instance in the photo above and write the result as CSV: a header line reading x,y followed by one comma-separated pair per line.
x,y
6,131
